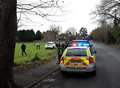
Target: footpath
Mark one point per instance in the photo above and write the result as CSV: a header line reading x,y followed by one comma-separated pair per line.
x,y
26,78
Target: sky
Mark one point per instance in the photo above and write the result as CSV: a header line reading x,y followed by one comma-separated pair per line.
x,y
77,15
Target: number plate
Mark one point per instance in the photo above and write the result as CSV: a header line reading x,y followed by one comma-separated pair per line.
x,y
75,65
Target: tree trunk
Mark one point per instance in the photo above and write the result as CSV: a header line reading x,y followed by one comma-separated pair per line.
x,y
8,26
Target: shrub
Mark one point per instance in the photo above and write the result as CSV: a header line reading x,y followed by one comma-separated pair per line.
x,y
36,57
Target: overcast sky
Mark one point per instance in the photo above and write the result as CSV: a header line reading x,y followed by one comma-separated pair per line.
x,y
77,15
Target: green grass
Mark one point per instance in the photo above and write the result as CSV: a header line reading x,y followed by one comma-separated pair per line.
x,y
43,54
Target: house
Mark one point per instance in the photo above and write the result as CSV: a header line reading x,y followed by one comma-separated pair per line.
x,y
50,36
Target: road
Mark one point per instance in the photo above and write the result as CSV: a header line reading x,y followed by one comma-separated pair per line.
x,y
107,76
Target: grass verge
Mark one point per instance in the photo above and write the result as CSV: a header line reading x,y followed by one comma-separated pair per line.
x,y
33,54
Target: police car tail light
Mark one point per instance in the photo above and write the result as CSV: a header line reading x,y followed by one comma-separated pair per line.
x,y
91,60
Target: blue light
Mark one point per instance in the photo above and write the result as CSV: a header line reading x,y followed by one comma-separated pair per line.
x,y
84,44
79,44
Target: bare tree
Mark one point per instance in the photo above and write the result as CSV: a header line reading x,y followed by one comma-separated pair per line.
x,y
71,30
55,28
70,33
83,33
109,9
42,8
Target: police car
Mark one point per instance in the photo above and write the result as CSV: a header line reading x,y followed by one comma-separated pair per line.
x,y
77,59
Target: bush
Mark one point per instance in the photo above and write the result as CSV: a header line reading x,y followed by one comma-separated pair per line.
x,y
116,34
36,58
107,35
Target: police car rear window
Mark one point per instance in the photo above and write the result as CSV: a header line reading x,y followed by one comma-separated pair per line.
x,y
76,52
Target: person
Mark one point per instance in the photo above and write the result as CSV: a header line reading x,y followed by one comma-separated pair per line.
x,y
60,51
23,48
64,46
37,45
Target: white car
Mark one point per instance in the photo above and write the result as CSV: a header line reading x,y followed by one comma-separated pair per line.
x,y
50,45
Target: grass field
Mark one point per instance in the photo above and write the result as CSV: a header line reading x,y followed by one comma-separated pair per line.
x,y
43,54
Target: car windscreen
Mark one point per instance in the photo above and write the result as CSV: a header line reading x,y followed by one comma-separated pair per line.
x,y
76,52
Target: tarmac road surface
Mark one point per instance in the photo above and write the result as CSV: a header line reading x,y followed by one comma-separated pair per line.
x,y
107,75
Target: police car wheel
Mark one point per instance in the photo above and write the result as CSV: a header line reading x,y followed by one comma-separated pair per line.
x,y
93,73
64,74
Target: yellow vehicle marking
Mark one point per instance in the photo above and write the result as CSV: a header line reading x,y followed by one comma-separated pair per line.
x,y
66,60
85,60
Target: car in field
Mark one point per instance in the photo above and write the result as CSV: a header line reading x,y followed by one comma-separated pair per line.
x,y
50,45
77,59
